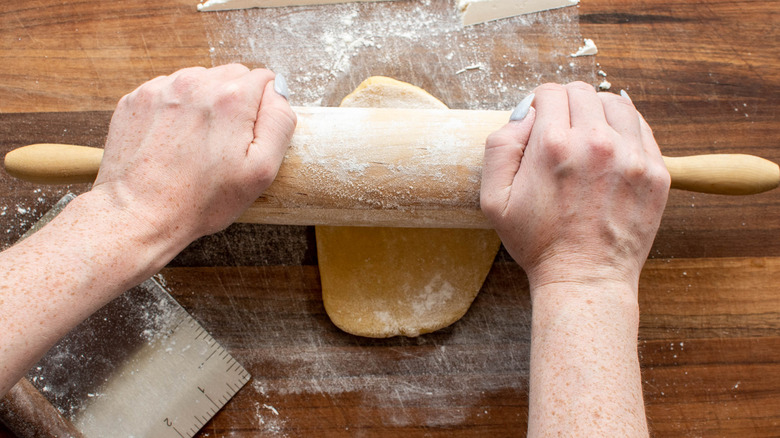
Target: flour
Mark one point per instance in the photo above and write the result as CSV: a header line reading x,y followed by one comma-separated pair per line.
x,y
436,295
324,52
327,49
344,170
443,379
267,419
20,215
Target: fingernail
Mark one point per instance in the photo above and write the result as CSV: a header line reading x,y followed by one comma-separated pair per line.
x,y
521,110
280,86
624,94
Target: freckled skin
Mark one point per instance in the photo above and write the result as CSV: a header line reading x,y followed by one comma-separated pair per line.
x,y
181,161
576,191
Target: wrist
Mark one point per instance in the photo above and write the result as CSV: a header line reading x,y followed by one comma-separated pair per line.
x,y
573,294
584,273
577,306
152,219
149,245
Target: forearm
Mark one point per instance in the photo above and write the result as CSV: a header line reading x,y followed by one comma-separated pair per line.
x,y
85,257
585,378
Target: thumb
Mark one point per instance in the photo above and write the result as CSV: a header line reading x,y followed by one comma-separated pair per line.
x,y
504,151
272,134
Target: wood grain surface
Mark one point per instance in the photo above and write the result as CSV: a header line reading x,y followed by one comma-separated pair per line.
x,y
705,74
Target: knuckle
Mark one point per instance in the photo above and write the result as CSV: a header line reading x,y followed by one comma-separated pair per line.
x,y
618,102
555,145
125,101
498,138
187,81
660,177
490,206
549,87
600,146
580,85
265,71
636,169
640,170
266,173
146,93
237,68
229,95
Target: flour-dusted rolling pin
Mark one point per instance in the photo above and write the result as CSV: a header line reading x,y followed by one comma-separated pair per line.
x,y
390,167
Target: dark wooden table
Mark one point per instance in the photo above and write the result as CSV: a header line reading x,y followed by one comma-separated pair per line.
x,y
706,75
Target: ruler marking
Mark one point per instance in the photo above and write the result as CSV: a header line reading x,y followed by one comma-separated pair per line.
x,y
178,324
209,399
234,377
207,359
207,374
232,391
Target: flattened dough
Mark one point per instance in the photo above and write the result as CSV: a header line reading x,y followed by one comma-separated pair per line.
x,y
383,282
382,92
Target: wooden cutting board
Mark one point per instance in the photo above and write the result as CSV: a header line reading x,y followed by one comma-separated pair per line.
x,y
705,77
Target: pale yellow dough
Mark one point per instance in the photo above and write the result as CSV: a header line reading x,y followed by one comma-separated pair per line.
x,y
383,92
383,282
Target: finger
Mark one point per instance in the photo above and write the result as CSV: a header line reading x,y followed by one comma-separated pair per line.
x,y
585,107
226,72
622,116
196,83
143,92
273,132
237,102
253,83
648,139
183,72
552,107
504,151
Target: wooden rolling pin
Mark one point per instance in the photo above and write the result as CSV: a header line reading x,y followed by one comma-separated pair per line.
x,y
389,167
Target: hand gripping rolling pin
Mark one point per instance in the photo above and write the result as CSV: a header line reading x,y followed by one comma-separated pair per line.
x,y
390,167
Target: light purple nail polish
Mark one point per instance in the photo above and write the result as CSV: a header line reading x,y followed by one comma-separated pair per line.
x,y
624,94
280,86
521,110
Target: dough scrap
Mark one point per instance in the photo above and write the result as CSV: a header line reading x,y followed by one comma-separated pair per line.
x,y
384,282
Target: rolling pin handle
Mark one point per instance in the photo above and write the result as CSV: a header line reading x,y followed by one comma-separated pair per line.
x,y
47,163
723,174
